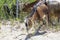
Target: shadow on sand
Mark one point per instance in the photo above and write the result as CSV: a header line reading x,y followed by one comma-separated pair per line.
x,y
36,34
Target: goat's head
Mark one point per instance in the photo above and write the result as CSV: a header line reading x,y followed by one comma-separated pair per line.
x,y
28,23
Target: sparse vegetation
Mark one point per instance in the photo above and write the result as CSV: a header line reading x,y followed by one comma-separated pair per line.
x,y
8,11
13,28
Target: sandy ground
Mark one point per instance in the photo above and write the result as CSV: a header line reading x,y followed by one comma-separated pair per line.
x,y
18,32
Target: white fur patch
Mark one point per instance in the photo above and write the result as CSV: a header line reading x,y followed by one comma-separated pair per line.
x,y
25,21
44,16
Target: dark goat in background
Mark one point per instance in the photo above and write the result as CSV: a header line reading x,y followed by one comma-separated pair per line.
x,y
10,11
6,8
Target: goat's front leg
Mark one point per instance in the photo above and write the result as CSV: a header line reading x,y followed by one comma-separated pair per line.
x,y
45,21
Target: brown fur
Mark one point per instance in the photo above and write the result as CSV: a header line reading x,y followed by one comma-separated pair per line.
x,y
29,6
38,15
